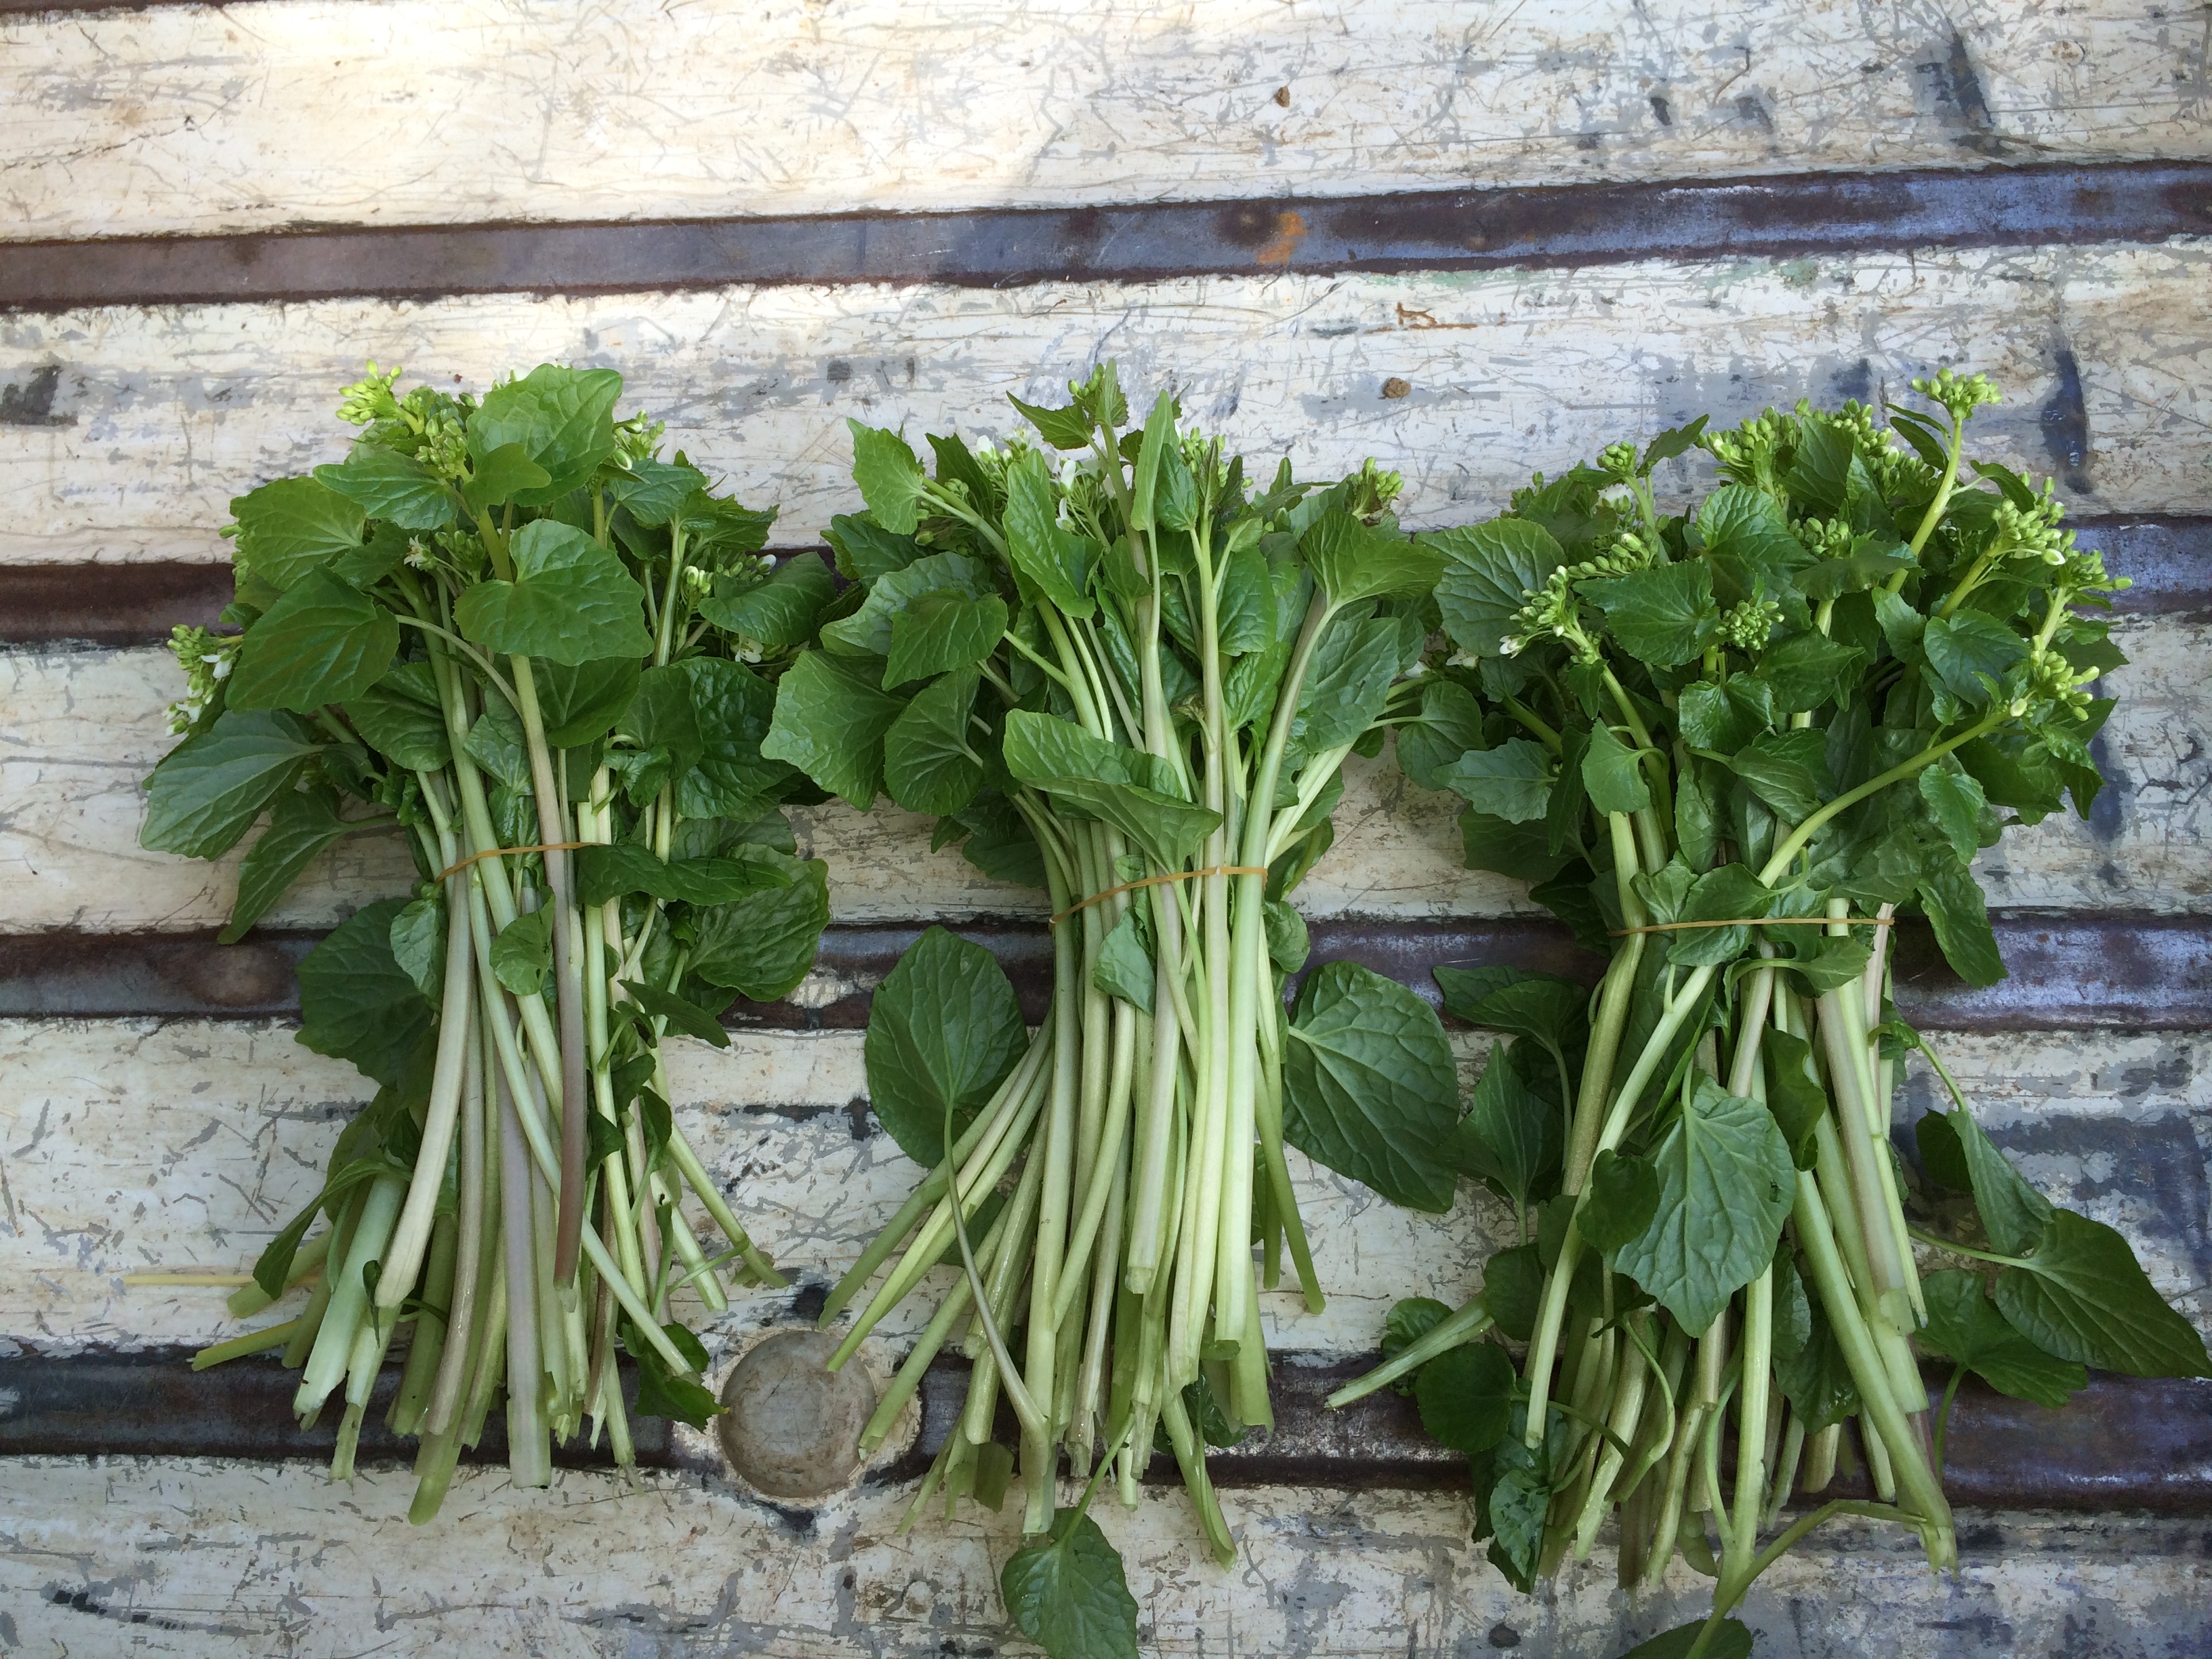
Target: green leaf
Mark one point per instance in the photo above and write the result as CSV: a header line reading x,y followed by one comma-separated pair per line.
x,y
1963,648
944,1029
1794,1095
1724,718
1622,1201
868,631
1063,428
1370,1087
1289,943
1952,900
929,764
1965,1326
866,551
1049,558
1245,611
1349,678
1726,1187
1519,850
394,721
1662,616
1807,671
322,642
571,601
522,955
1956,802
562,420
734,777
942,631
1512,781
1466,1396
1518,1001
293,526
2083,1295
654,490
1489,571
779,614
1511,1136
1127,788
1513,1290
1353,562
1612,774
356,1002
680,1012
663,1393
1067,1593
1410,1319
1449,724
1124,967
386,485
2014,1214
209,789
580,704
763,944
418,945
1816,1379
495,743
830,717
1732,1640
1787,770
624,867
890,479
1720,895
303,824
500,475
1674,441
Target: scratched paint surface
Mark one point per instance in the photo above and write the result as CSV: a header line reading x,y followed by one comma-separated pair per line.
x,y
320,111
84,728
156,418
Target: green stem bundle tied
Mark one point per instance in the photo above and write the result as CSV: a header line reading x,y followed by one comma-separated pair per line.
x,y
507,630
1814,697
1130,677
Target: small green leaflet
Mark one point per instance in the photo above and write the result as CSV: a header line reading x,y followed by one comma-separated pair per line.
x,y
1512,781
929,765
941,631
830,718
662,1392
944,1029
1787,770
763,944
571,601
562,420
1353,563
1815,1377
1965,1326
209,789
1731,1641
1662,616
303,824
386,485
1370,1086
418,945
778,614
1049,557
680,1013
1726,1186
504,474
1063,428
356,1002
1067,1593
1511,1136
1611,774
295,526
1125,967
1621,1199
522,955
1408,1321
1489,571
2081,1294
1466,1396
890,479
322,642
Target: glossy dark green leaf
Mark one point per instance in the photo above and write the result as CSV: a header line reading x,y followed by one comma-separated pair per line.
x,y
1067,1593
930,763
1816,1378
1512,781
395,721
571,600
1063,428
561,418
763,944
2081,1294
303,824
1965,1326
581,704
1288,942
866,551
292,527
1807,671
322,642
1963,648
1787,770
1125,787
388,485
1612,777
1352,561
1724,718
1621,1198
944,1029
1449,724
1466,1396
1409,1320
1489,571
1513,1290
889,478
1049,556
778,614
868,631
209,789
356,1002
654,490
1349,678
1511,1136
680,1013
1960,918
501,475
829,719
1125,968
522,954
1370,1087
1794,1094
1662,616
942,631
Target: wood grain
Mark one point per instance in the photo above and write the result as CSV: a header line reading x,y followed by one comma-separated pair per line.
x,y
192,120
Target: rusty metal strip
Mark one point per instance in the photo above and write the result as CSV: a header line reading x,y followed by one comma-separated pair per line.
x,y
1781,216
2123,1444
2069,972
2169,559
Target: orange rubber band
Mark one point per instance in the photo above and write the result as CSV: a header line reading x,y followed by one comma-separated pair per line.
x,y
1155,881
516,852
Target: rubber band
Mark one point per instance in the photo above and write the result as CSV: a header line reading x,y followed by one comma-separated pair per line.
x,y
1155,881
517,852
1759,921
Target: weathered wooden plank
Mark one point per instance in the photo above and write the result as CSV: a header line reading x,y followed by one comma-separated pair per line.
x,y
193,120
132,429
180,1556
1793,216
137,1146
84,727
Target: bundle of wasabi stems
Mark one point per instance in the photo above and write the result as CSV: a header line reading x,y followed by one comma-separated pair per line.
x,y
1728,747
509,630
